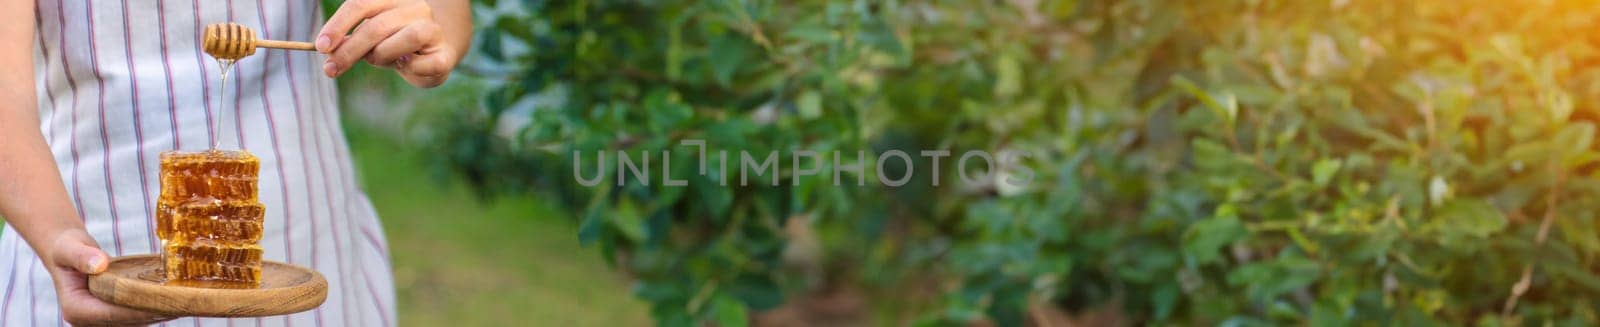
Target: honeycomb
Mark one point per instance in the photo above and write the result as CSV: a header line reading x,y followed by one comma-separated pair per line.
x,y
209,219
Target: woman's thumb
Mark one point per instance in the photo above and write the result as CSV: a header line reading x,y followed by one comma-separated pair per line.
x,y
94,261
83,257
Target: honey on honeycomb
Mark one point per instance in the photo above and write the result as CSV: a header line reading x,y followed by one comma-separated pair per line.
x,y
209,219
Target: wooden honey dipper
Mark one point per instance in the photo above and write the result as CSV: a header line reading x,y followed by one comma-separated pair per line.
x,y
231,41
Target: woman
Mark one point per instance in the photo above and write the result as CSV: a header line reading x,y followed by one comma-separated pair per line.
x,y
97,89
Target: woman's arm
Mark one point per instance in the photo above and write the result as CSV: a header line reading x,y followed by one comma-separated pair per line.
x,y
421,40
32,197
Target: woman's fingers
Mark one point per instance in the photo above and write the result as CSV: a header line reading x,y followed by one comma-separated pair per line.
x,y
80,307
350,13
362,41
414,39
425,71
73,257
371,32
398,34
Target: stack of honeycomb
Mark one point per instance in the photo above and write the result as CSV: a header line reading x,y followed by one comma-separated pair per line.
x,y
209,219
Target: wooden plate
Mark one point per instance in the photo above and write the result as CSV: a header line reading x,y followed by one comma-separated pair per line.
x,y
135,282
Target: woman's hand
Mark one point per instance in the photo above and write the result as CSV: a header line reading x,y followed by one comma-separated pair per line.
x,y
420,40
71,258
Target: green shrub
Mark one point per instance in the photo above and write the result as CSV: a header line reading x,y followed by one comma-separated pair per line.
x,y
1233,161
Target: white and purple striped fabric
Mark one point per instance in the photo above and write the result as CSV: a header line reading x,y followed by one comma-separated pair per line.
x,y
121,81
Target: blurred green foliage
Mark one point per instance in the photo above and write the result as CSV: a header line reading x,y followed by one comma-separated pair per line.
x,y
1196,162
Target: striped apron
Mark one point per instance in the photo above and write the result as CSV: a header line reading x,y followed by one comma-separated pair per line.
x,y
120,81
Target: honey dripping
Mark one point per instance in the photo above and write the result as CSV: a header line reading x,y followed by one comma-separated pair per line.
x,y
216,124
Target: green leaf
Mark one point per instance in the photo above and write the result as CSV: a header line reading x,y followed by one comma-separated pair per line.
x,y
1528,152
812,33
1008,77
756,291
728,312
878,33
1560,103
489,44
1268,279
1580,232
1323,171
627,219
1227,107
1165,300
1464,217
656,291
727,56
1575,139
809,104
1204,240
589,230
1304,243
1210,155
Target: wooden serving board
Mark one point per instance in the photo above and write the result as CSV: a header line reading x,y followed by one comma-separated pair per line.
x,y
135,282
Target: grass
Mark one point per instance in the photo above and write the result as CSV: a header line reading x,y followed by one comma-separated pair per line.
x,y
459,261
